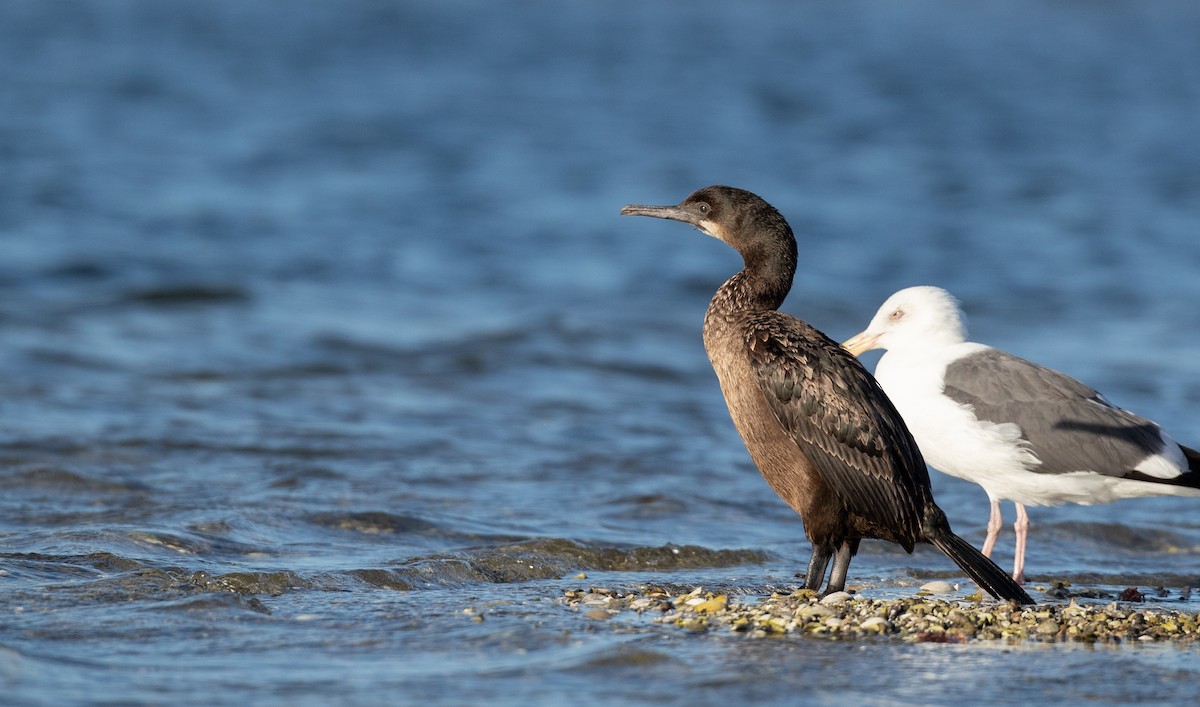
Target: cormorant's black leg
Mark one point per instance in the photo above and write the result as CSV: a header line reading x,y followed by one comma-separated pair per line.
x,y
841,566
816,568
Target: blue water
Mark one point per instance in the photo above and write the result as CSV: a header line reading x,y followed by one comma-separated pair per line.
x,y
322,337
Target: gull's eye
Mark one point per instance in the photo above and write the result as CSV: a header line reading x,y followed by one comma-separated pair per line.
x,y
898,314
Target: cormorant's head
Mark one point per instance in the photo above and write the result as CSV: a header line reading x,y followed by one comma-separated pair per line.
x,y
738,217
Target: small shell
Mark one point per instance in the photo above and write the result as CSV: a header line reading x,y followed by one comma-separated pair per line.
x,y
814,610
939,587
836,599
713,605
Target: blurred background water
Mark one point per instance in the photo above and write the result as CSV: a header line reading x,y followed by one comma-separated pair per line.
x,y
322,336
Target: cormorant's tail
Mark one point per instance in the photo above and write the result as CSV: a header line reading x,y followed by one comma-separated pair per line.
x,y
985,572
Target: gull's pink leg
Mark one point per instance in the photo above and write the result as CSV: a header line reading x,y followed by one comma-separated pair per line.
x,y
1022,528
993,528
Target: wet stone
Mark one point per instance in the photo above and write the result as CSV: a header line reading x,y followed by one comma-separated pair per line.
x,y
1132,594
1048,627
593,599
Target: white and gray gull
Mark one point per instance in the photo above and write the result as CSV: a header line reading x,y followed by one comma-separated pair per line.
x,y
821,431
1025,433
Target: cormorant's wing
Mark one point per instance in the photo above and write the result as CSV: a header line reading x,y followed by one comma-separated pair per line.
x,y
842,421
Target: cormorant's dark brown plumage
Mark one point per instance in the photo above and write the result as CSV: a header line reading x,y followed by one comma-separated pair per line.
x,y
822,432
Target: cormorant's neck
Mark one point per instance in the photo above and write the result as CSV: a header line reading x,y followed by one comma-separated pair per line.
x,y
765,280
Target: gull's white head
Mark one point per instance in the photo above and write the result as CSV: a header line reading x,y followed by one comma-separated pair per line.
x,y
912,319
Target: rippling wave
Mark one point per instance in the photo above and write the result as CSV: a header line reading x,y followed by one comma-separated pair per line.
x,y
327,363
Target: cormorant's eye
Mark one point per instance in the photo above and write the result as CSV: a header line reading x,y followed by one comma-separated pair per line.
x,y
704,208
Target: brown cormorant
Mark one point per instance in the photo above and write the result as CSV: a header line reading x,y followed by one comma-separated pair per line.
x,y
820,429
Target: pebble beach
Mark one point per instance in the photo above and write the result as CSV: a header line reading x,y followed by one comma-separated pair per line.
x,y
923,618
